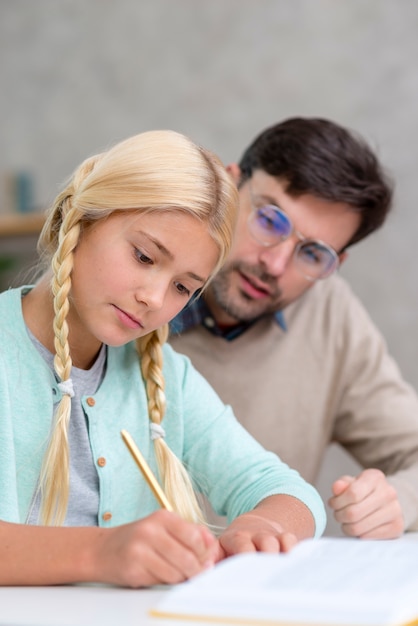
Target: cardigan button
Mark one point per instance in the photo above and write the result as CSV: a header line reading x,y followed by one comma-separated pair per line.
x,y
101,461
107,516
91,401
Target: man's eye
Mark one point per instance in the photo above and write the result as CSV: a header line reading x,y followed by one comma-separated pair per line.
x,y
311,254
271,218
266,222
142,258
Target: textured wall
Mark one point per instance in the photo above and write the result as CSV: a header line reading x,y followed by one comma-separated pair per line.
x,y
77,75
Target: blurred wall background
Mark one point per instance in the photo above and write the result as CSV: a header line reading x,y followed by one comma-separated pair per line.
x,y
78,75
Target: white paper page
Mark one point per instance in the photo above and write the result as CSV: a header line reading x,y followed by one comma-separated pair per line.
x,y
330,581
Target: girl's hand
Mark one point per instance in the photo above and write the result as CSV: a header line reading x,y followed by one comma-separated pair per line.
x,y
253,533
161,548
275,525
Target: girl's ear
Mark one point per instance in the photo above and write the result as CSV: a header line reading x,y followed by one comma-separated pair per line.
x,y
235,172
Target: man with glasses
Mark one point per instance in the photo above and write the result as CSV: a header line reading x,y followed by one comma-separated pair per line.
x,y
282,338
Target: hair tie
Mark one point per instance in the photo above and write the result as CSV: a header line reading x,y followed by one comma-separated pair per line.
x,y
66,387
157,431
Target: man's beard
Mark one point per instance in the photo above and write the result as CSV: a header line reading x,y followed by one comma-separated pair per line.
x,y
239,305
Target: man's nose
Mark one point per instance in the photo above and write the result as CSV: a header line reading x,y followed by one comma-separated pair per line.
x,y
277,258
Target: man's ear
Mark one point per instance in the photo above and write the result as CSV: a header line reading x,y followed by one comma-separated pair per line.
x,y
235,172
342,256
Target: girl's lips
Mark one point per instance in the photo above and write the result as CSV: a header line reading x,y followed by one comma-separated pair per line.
x,y
253,290
126,319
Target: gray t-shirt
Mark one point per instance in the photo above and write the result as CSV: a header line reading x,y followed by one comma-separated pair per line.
x,y
83,504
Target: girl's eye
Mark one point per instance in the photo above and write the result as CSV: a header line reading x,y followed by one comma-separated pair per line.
x,y
142,258
182,289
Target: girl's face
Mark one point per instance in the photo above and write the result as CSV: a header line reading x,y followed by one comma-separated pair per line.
x,y
134,272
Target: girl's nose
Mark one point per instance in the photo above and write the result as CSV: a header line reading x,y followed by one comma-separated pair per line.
x,y
153,294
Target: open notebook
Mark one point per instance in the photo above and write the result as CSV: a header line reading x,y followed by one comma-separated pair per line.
x,y
330,581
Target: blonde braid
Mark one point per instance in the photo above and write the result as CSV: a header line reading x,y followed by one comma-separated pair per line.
x,y
54,480
174,477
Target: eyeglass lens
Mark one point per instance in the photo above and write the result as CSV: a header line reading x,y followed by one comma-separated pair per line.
x,y
269,225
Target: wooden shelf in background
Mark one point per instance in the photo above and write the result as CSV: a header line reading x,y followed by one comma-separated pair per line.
x,y
16,225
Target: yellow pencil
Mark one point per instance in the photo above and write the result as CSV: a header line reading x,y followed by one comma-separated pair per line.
x,y
146,471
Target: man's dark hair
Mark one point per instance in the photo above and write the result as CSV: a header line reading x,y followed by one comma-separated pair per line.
x,y
318,157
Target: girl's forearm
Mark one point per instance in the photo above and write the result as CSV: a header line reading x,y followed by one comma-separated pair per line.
x,y
39,555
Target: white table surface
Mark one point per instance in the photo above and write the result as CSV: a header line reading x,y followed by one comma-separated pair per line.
x,y
88,605
77,605
82,605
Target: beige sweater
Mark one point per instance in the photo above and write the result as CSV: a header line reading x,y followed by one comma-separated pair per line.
x,y
329,378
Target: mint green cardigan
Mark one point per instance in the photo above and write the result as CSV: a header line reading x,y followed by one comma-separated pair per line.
x,y
228,465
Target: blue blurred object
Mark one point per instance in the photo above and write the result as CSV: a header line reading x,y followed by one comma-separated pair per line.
x,y
24,192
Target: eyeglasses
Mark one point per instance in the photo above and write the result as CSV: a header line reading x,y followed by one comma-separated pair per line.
x,y
269,225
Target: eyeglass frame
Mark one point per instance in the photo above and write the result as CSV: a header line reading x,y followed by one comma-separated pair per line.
x,y
302,240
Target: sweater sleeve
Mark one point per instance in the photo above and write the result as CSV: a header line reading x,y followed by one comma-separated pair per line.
x,y
377,419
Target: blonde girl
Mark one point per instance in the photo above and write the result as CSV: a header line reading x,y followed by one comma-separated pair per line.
x,y
139,230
